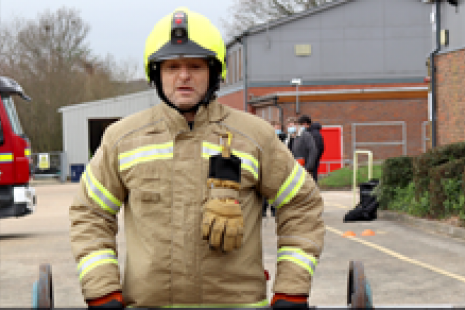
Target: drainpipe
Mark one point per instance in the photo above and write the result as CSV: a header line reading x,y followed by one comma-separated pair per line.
x,y
280,108
433,75
244,56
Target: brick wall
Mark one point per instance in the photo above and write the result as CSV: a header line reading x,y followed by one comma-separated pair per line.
x,y
412,111
450,72
235,100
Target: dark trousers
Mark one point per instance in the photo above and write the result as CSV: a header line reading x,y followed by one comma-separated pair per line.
x,y
265,206
315,171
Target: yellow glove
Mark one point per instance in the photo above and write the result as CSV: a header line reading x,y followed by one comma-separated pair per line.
x,y
222,224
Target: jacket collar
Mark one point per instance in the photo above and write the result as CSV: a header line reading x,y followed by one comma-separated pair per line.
x,y
175,121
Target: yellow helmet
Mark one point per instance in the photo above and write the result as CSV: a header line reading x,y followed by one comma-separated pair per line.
x,y
185,34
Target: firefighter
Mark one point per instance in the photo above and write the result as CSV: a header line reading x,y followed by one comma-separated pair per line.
x,y
191,173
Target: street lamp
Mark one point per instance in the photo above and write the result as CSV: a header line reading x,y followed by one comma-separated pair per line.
x,y
296,82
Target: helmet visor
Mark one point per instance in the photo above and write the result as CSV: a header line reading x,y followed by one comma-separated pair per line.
x,y
187,50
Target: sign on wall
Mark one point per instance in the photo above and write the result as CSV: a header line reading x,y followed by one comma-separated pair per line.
x,y
44,161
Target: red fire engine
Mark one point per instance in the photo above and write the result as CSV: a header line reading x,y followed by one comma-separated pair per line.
x,y
17,198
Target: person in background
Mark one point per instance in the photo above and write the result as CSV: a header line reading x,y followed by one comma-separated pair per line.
x,y
278,130
304,149
291,132
315,130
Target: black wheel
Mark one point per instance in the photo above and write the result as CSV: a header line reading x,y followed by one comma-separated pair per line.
x,y
43,289
358,288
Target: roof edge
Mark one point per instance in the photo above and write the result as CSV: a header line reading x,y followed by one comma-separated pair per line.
x,y
104,101
284,20
273,96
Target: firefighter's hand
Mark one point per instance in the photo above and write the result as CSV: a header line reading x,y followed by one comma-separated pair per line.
x,y
222,224
289,301
111,301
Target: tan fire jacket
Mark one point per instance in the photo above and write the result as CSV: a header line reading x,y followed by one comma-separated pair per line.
x,y
156,167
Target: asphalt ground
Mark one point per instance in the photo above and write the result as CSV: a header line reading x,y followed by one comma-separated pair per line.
x,y
405,266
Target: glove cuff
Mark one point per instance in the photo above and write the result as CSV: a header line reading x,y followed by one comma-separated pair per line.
x,y
106,299
290,298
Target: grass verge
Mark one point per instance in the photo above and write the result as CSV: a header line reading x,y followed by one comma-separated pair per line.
x,y
342,178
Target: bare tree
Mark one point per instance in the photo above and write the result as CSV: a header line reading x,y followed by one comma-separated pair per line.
x,y
248,13
51,58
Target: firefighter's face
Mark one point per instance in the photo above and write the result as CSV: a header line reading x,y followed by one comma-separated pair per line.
x,y
185,80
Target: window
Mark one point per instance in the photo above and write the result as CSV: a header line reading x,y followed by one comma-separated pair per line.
x,y
234,76
228,76
240,64
12,115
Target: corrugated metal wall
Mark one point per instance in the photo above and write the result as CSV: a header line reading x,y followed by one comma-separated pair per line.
x,y
363,40
76,120
453,19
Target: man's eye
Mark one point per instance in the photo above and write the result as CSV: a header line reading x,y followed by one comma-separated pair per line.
x,y
198,67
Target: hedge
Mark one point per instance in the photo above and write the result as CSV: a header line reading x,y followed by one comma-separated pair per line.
x,y
463,181
433,158
397,173
446,185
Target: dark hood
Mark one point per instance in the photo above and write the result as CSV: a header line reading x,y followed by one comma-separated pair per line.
x,y
315,126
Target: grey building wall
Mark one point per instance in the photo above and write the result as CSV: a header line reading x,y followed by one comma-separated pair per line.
x,y
75,120
453,19
356,41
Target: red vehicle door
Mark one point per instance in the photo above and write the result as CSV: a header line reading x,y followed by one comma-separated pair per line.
x,y
332,158
6,146
14,148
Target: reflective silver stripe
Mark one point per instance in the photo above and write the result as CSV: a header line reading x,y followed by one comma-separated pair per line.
x,y
299,257
95,192
209,151
249,163
291,187
145,153
87,265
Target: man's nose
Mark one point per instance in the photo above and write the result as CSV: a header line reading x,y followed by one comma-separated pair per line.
x,y
184,73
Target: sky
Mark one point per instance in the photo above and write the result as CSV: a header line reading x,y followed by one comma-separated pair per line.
x,y
120,27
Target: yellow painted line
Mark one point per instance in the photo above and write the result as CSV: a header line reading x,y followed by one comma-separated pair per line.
x,y
400,256
338,205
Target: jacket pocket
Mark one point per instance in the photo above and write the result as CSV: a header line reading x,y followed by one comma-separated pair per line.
x,y
146,197
145,210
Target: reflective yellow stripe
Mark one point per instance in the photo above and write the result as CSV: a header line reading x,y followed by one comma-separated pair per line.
x,y
248,162
144,154
298,257
263,303
95,259
6,157
290,188
99,193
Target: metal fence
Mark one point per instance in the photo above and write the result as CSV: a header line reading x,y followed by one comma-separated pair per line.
x,y
50,165
327,164
403,142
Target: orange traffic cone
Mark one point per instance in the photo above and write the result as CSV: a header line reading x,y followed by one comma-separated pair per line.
x,y
349,234
368,232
